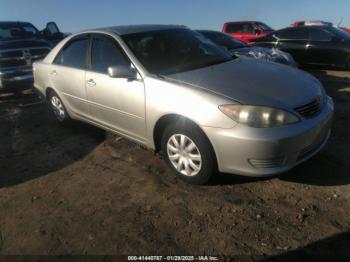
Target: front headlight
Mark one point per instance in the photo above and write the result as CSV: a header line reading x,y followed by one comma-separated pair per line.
x,y
259,116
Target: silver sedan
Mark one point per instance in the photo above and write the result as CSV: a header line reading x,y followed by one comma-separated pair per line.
x,y
174,91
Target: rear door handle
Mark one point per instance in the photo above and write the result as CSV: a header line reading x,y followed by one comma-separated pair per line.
x,y
53,72
91,82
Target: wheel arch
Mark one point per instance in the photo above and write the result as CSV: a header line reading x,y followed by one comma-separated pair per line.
x,y
167,119
49,90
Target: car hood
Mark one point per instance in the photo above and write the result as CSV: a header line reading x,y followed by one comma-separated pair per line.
x,y
23,43
255,82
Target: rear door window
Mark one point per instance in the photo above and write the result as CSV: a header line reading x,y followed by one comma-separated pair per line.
x,y
317,34
73,53
293,34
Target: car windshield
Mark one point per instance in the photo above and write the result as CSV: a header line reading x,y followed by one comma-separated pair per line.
x,y
166,52
17,30
264,27
224,40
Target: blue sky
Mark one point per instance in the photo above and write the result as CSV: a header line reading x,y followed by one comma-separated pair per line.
x,y
76,15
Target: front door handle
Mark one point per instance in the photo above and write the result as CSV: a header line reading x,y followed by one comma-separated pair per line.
x,y
91,82
53,72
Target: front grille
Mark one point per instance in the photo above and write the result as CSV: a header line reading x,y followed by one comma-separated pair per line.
x,y
39,52
11,54
310,109
267,163
13,63
10,59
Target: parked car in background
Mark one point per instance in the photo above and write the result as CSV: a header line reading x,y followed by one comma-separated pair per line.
x,y
312,45
317,22
311,23
241,49
172,90
21,44
345,29
52,33
246,31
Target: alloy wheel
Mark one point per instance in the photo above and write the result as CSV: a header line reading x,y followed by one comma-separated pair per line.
x,y
58,108
184,155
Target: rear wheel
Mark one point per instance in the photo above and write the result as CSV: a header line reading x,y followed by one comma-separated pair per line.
x,y
188,153
58,109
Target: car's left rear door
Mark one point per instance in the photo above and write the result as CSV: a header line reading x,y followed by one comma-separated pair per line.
x,y
116,103
67,74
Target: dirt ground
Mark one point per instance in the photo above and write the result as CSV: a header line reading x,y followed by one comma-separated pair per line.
x,y
77,190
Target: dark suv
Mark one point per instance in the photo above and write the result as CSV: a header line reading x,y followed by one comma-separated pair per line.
x,y
21,44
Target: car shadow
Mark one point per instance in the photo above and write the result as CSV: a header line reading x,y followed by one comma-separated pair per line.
x,y
17,97
33,144
335,248
334,82
222,179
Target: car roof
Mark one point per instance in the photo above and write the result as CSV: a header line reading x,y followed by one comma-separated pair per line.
x,y
208,31
131,29
14,22
307,26
214,32
238,22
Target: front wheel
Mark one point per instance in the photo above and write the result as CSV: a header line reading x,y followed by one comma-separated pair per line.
x,y
188,153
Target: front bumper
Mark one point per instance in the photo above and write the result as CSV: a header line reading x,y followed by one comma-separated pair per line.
x,y
16,80
268,151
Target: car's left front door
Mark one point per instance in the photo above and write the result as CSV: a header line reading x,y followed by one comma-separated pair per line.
x,y
248,32
293,41
116,103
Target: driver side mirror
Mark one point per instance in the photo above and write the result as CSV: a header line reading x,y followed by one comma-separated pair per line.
x,y
122,72
257,31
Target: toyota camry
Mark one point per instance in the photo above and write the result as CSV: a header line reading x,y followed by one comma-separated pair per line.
x,y
171,89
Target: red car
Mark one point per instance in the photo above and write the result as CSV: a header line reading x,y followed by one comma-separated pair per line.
x,y
246,30
345,29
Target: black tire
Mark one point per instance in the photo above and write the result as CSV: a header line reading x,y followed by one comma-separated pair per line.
x,y
208,160
62,117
